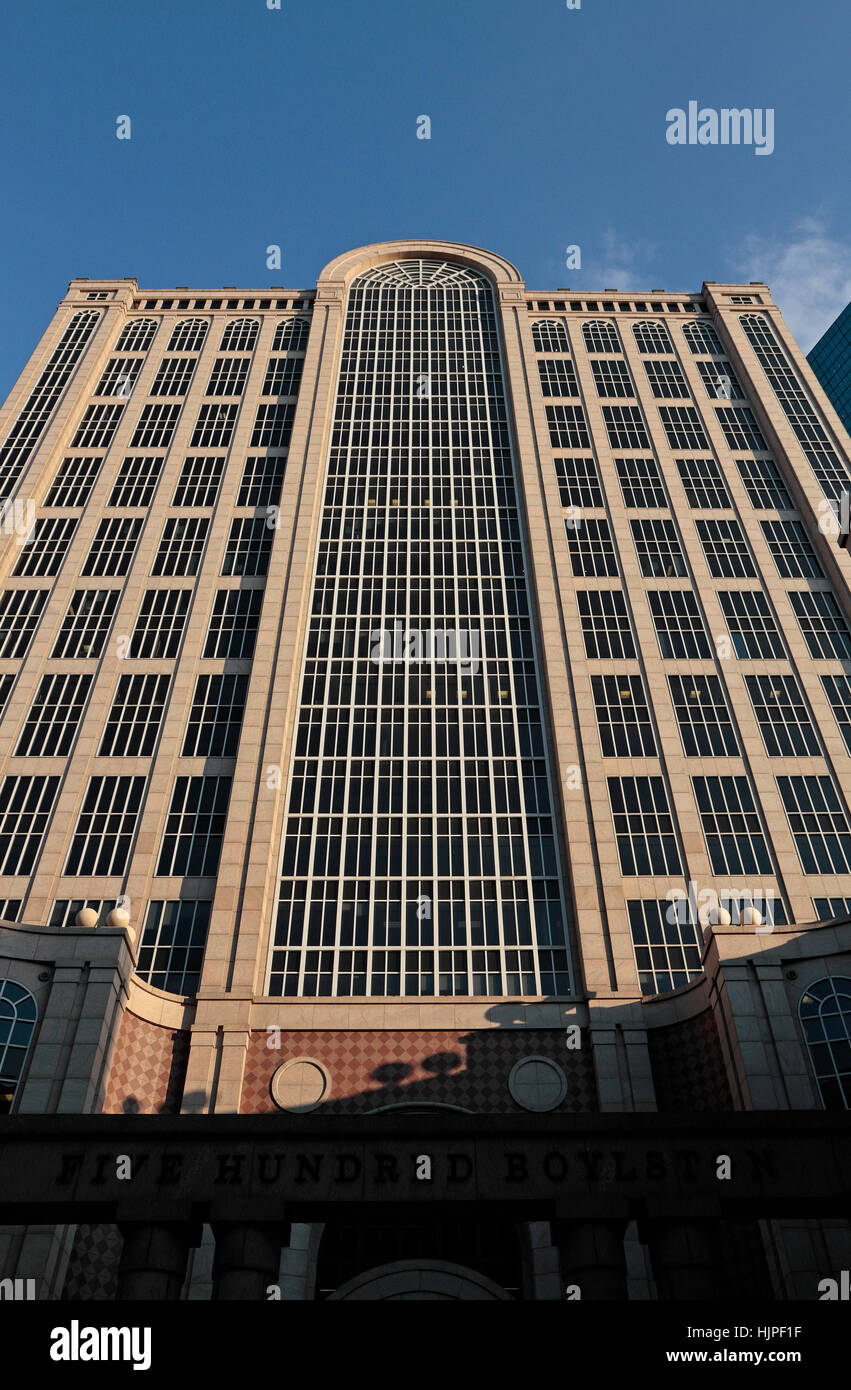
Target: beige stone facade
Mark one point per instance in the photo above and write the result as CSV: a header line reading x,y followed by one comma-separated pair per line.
x,y
662,414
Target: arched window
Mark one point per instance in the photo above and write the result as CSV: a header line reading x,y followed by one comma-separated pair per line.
x,y
550,335
17,1021
239,335
137,335
188,335
651,336
702,338
825,1014
601,336
758,331
421,273
80,327
291,335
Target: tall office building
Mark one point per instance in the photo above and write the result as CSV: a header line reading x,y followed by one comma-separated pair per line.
x,y
426,722
830,359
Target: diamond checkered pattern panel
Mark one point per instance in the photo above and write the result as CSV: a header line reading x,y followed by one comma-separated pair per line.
x,y
93,1264
371,1069
148,1069
688,1065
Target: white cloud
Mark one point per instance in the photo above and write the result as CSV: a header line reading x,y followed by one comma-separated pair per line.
x,y
808,273
614,265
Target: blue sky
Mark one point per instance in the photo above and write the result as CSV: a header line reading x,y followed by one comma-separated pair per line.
x,y
297,127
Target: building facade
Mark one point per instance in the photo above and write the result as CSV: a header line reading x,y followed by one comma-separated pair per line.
x,y
830,359
426,701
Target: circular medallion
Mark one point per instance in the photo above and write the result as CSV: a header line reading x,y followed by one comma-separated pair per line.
x,y
537,1083
299,1085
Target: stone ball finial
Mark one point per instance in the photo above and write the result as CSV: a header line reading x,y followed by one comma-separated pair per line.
x,y
722,917
87,917
752,917
120,917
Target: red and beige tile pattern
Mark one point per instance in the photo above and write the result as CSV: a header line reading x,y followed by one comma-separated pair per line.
x,y
371,1069
688,1066
148,1069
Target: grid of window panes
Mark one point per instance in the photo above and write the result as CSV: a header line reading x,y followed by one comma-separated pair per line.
x,y
39,406
704,484
838,691
171,951
666,940
703,717
828,908
64,910
420,853
831,470
783,717
825,1014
